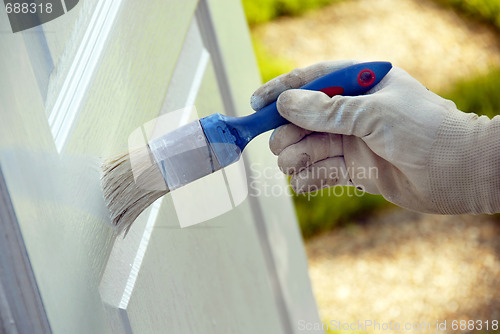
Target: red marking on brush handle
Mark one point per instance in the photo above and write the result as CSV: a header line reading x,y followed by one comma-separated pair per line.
x,y
332,91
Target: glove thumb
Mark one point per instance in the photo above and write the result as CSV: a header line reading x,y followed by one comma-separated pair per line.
x,y
316,111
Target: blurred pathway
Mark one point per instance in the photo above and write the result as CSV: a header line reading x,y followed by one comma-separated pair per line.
x,y
409,267
433,44
401,266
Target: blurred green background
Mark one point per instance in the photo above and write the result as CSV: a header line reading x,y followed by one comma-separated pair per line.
x,y
262,11
325,211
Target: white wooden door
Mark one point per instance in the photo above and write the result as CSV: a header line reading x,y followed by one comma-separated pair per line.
x,y
71,93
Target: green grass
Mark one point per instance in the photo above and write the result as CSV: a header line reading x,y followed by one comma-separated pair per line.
x,y
261,11
484,10
270,65
334,207
480,95
331,331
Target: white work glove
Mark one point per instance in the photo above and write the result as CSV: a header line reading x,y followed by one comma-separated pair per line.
x,y
399,140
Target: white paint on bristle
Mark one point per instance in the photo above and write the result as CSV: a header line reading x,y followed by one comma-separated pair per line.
x,y
127,196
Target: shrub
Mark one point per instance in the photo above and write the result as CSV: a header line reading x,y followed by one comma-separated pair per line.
x,y
479,95
334,207
270,65
486,10
261,11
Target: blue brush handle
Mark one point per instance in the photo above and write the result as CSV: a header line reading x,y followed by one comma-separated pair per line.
x,y
352,80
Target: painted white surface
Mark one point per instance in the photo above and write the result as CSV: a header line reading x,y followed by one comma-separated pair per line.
x,y
244,271
281,229
92,46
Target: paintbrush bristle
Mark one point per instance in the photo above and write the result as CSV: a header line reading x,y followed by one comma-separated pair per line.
x,y
130,187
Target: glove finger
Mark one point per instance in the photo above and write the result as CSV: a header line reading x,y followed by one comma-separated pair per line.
x,y
315,111
270,91
285,136
325,173
315,147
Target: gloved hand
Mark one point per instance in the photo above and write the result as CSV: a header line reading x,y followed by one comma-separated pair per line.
x,y
399,140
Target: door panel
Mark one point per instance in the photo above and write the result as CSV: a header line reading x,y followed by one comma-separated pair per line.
x,y
243,270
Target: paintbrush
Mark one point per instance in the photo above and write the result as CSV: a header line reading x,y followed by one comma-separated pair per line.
x,y
133,181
